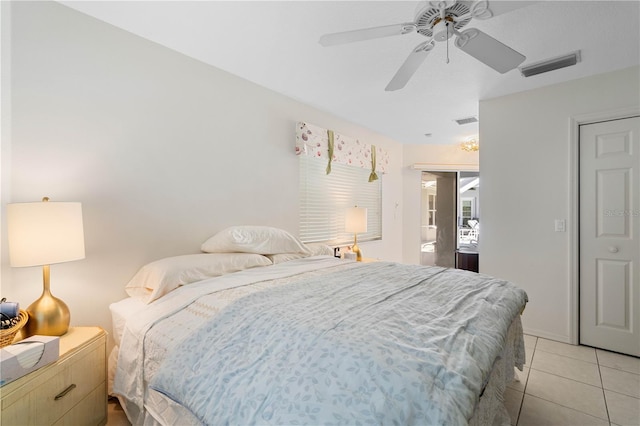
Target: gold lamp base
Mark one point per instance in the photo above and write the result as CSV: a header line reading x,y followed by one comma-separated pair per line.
x,y
48,316
356,249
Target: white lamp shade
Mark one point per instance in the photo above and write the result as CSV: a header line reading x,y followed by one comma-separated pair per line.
x,y
42,233
356,220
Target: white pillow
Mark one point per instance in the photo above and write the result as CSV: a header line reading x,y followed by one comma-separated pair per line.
x,y
285,257
315,249
254,239
319,249
158,278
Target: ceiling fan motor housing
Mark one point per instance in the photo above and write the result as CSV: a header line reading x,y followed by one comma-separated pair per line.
x,y
430,23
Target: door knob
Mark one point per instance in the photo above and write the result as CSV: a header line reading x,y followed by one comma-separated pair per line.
x,y
613,249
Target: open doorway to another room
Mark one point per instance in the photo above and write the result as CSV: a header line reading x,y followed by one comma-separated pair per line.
x,y
439,207
450,228
469,211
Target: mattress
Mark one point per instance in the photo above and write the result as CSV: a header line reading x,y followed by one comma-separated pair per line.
x,y
121,311
147,335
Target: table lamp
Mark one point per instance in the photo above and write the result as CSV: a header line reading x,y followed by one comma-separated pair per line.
x,y
40,234
356,221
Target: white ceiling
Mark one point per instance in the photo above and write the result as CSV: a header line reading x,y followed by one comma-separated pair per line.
x,y
275,44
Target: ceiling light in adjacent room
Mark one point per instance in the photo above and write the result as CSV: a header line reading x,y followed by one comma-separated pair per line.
x,y
470,145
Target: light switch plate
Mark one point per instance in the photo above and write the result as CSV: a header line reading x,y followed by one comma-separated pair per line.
x,y
560,225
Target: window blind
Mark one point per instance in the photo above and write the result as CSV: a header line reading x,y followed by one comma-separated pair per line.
x,y
324,200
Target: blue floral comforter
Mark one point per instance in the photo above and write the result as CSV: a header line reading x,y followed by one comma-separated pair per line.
x,y
380,343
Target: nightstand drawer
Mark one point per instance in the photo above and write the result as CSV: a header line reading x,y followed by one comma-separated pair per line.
x,y
76,377
89,411
69,391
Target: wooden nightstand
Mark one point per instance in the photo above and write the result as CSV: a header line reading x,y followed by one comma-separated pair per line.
x,y
70,391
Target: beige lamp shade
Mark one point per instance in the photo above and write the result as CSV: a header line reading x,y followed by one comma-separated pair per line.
x,y
356,220
43,233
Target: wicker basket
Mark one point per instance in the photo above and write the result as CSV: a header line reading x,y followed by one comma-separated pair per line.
x,y
8,334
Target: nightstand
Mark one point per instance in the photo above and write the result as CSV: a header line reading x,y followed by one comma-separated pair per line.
x,y
70,391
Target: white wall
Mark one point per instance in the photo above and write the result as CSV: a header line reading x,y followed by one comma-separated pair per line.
x,y
5,117
526,185
162,151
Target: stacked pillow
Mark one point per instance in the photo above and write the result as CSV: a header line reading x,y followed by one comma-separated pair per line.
x,y
263,240
158,278
230,250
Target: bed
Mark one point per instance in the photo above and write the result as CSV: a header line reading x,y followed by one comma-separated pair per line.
x,y
279,332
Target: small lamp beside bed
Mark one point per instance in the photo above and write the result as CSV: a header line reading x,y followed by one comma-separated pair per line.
x,y
40,234
356,221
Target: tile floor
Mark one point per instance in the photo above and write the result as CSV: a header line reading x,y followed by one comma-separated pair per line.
x,y
115,414
562,385
569,385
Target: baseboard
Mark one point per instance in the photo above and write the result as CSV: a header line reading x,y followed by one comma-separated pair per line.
x,y
547,335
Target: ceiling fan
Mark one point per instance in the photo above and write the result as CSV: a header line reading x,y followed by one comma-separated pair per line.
x,y
439,21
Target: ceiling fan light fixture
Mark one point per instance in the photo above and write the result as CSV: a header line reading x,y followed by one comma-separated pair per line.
x,y
551,64
443,30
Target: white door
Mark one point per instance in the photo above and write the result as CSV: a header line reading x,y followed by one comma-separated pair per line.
x,y
610,235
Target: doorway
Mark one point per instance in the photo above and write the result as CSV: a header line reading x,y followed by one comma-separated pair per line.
x,y
450,211
609,235
438,227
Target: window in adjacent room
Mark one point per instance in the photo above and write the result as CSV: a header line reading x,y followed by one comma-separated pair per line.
x,y
324,200
431,210
467,210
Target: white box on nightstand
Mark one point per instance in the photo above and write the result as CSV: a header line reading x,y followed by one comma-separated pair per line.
x,y
26,356
69,391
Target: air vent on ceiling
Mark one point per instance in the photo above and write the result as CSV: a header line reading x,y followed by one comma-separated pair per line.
x,y
466,120
550,64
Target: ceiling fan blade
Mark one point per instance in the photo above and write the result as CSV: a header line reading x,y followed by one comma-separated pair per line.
x,y
410,66
488,50
484,9
480,10
366,34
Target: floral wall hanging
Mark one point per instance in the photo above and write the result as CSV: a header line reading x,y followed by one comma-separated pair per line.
x,y
336,148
